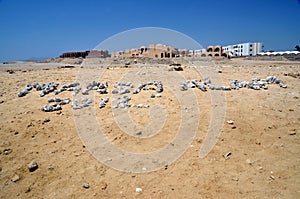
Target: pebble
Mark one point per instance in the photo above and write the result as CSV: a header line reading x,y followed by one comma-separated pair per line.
x,y
235,179
32,166
103,185
227,155
15,178
249,161
138,190
7,151
230,122
86,185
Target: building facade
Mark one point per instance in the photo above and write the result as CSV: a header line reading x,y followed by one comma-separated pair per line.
x,y
244,49
153,51
98,54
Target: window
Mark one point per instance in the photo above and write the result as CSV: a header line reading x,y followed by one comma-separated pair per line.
x,y
250,50
250,45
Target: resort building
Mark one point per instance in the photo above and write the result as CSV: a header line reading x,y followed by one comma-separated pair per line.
x,y
153,51
244,49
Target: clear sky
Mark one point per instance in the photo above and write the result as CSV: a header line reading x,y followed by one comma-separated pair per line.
x,y
47,28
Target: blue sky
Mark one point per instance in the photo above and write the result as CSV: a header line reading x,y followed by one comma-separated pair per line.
x,y
46,28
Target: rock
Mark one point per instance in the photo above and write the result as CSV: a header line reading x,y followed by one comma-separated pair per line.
x,y
139,133
138,190
152,95
46,120
249,161
7,151
28,190
103,185
51,108
292,133
86,185
103,102
23,92
15,178
230,122
227,155
235,179
158,95
32,166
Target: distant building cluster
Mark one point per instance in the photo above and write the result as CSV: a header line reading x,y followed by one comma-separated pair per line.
x,y
210,51
153,51
167,51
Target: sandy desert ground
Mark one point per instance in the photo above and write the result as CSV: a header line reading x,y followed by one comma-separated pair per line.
x,y
263,141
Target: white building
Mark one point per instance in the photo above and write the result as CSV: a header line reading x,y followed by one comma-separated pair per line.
x,y
244,49
199,51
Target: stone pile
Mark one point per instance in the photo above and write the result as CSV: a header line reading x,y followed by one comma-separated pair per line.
x,y
25,91
57,106
186,84
75,87
84,103
145,86
255,84
51,107
103,102
48,88
121,102
97,86
122,88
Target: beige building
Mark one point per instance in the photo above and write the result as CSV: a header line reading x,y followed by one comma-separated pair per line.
x,y
153,51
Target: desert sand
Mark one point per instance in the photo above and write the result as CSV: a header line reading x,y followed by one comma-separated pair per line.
x,y
263,140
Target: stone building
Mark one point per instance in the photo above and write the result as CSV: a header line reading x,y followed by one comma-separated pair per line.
x,y
153,51
98,54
